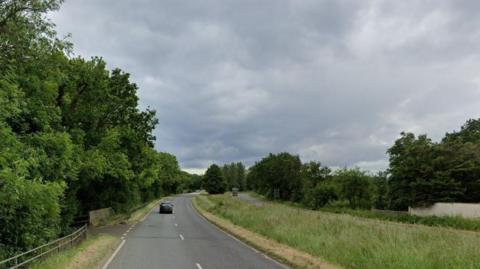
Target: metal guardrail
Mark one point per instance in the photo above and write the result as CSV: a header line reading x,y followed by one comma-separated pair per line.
x,y
25,258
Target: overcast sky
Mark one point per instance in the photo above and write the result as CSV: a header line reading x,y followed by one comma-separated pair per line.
x,y
333,81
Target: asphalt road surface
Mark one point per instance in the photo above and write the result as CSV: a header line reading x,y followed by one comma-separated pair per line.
x,y
184,240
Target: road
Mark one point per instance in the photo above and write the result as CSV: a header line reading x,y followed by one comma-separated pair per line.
x,y
249,199
185,240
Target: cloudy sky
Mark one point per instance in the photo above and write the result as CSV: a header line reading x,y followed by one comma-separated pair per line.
x,y
334,81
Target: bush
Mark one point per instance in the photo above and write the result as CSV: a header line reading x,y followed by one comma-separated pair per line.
x,y
30,212
356,187
319,196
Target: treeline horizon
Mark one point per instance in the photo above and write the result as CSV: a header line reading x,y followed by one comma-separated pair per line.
x,y
72,138
420,173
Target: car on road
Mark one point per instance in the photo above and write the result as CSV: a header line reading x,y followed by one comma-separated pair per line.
x,y
166,207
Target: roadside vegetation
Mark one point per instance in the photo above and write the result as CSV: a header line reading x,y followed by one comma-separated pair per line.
x,y
72,137
349,241
133,215
454,222
434,221
90,254
421,173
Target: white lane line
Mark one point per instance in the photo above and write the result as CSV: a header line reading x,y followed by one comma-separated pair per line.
x,y
125,234
181,237
176,225
240,241
198,266
113,255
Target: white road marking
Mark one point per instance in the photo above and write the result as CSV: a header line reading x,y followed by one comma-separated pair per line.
x,y
181,237
113,255
125,234
176,225
198,266
240,241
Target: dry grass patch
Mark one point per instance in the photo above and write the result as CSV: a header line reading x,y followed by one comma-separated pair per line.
x,y
90,254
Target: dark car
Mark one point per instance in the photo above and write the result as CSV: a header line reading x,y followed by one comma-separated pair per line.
x,y
166,207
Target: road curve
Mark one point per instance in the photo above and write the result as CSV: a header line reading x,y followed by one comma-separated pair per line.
x,y
185,240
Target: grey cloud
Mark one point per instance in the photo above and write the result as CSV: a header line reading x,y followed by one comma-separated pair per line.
x,y
335,81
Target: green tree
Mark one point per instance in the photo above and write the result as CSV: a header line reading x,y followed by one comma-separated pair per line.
x,y
320,195
280,171
421,172
241,177
213,180
356,187
72,137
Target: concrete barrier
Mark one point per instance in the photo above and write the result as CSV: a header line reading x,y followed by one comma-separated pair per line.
x,y
448,209
98,216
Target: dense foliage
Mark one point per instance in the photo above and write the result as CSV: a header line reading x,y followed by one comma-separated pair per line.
x,y
213,180
421,173
190,182
72,137
283,176
277,176
234,174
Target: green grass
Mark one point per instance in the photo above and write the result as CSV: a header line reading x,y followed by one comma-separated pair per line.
x,y
449,222
350,241
91,253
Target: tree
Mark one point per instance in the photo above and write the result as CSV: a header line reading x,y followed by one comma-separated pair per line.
x,y
421,172
234,174
213,180
241,177
281,172
356,187
380,181
469,132
320,195
72,137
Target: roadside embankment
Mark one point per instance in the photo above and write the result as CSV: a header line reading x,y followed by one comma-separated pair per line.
x,y
90,254
347,241
281,252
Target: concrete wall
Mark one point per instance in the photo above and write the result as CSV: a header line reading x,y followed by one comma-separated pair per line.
x,y
98,216
448,209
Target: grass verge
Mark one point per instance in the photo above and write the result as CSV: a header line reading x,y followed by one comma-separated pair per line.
x,y
449,222
132,216
281,252
434,221
90,254
349,241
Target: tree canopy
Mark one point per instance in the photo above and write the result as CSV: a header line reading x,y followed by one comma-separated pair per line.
x,y
72,137
213,180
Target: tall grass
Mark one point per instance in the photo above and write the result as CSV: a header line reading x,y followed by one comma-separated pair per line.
x,y
350,241
449,222
91,253
456,222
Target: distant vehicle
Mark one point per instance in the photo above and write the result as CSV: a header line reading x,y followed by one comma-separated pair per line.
x,y
234,191
166,207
